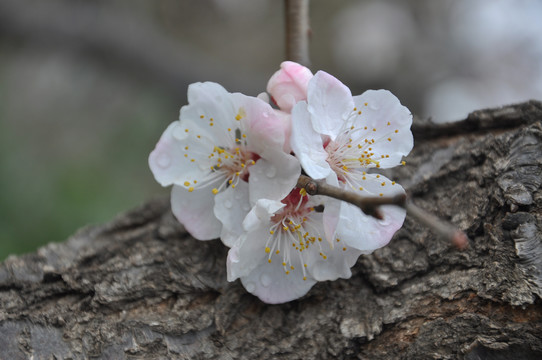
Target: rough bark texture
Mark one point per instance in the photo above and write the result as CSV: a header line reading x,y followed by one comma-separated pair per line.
x,y
141,287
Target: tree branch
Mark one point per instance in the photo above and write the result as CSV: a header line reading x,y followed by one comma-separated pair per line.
x,y
141,287
297,31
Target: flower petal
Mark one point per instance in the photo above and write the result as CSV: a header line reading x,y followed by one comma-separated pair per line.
x,y
331,218
337,263
260,214
266,128
195,211
388,123
231,207
289,85
307,144
246,254
270,283
167,162
330,103
208,103
274,178
364,232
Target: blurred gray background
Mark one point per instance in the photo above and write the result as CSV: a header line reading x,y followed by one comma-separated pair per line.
x,y
87,87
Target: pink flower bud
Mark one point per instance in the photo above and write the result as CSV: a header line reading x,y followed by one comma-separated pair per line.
x,y
289,85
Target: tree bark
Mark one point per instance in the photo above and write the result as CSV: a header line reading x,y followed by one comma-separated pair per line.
x,y
141,287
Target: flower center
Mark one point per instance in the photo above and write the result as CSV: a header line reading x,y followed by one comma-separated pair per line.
x,y
232,164
227,164
352,153
294,229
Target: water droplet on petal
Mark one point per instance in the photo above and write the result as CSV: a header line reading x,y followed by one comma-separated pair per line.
x,y
271,171
163,160
265,280
228,204
265,114
250,287
373,106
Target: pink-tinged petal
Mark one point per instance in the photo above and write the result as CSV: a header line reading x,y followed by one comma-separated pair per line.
x,y
167,160
289,85
307,144
273,178
231,207
266,128
364,232
388,124
270,283
286,124
195,211
330,104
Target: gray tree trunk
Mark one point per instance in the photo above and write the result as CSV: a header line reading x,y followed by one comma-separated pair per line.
x,y
141,287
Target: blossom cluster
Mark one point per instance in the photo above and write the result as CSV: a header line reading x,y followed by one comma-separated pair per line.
x,y
234,162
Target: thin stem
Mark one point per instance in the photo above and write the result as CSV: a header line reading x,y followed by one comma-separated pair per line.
x,y
369,205
297,31
440,227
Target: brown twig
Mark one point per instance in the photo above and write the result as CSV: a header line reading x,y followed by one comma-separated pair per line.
x,y
297,31
440,227
370,205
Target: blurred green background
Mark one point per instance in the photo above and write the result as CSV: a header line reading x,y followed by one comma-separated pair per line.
x,y
87,87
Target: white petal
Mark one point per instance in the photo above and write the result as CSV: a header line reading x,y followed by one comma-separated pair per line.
x,y
364,232
270,283
330,103
273,178
337,263
260,214
307,144
210,103
195,211
331,218
391,120
231,207
247,253
167,161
